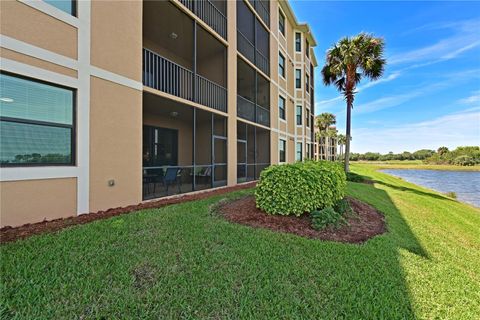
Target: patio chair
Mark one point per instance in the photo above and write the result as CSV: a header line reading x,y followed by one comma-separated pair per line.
x,y
171,177
154,176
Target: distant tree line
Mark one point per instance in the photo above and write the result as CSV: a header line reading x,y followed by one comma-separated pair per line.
x,y
462,156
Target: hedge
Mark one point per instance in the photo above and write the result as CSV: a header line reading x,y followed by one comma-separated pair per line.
x,y
293,189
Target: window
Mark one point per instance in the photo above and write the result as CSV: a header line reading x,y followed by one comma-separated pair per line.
x,y
299,152
281,65
281,22
298,78
307,83
282,150
307,49
299,115
298,42
281,107
69,6
36,123
307,117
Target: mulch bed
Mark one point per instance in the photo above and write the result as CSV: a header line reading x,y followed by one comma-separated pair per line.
x,y
8,234
366,223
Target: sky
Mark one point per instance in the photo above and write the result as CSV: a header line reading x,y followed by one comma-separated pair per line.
x,y
429,95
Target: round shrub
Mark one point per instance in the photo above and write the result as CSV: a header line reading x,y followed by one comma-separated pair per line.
x,y
293,189
464,161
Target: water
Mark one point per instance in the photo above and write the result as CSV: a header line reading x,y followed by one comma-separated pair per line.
x,y
466,184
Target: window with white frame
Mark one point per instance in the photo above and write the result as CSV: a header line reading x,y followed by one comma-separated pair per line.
x,y
281,22
37,123
299,115
298,78
281,65
69,6
281,107
299,151
282,150
298,42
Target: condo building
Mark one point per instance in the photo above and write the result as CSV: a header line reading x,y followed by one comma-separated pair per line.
x,y
325,147
106,104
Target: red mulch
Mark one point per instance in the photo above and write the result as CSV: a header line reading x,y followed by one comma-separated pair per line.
x,y
366,223
8,234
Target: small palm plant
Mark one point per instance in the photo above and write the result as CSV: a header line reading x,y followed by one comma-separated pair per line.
x,y
347,62
341,140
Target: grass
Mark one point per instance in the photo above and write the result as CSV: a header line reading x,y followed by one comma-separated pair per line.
x,y
182,261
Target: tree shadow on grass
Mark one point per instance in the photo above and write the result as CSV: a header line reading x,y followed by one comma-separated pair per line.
x,y
369,279
419,192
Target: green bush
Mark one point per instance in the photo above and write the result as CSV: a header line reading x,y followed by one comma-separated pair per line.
x,y
343,207
464,161
451,194
293,189
326,218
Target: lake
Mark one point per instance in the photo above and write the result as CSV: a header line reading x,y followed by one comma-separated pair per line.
x,y
466,184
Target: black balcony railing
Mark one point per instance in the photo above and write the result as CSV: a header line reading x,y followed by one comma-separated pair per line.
x,y
262,62
209,13
164,75
263,12
210,94
262,116
167,76
247,49
246,109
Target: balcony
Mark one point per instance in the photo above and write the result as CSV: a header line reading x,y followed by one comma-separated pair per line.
x,y
247,49
210,13
167,76
248,110
263,10
253,40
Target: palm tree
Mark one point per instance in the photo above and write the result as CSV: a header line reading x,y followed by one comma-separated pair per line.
x,y
341,140
347,62
442,150
323,122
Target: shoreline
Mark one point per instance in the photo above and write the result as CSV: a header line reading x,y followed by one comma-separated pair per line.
x,y
418,166
443,193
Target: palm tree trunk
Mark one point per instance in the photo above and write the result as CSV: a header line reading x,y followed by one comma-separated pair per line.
x,y
347,143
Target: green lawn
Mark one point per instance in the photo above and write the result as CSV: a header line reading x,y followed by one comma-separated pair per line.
x,y
182,261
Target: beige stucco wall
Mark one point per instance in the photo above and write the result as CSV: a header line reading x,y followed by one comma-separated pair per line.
x,y
115,145
232,95
19,21
31,201
116,41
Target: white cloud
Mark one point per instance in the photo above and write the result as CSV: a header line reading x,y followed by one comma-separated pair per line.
x,y
448,80
330,104
465,37
473,99
443,50
462,26
452,130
